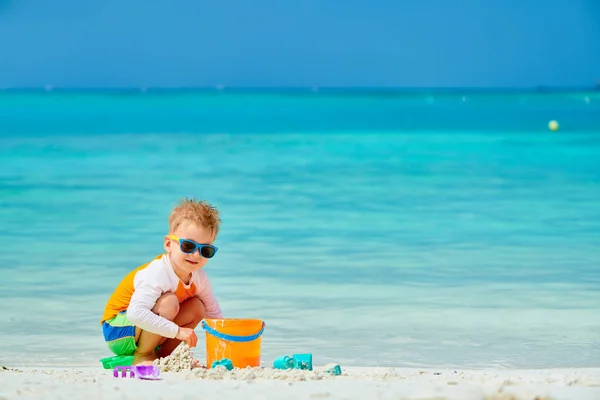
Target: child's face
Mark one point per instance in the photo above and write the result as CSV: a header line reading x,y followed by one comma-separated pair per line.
x,y
183,263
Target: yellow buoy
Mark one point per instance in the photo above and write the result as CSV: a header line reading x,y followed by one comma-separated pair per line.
x,y
553,125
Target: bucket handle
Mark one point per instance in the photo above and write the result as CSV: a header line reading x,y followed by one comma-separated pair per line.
x,y
232,338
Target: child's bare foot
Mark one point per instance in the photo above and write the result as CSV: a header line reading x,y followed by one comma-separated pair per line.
x,y
143,359
145,363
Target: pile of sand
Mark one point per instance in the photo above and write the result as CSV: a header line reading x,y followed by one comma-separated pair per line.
x,y
182,359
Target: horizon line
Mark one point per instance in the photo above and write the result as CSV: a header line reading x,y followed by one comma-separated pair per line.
x,y
313,89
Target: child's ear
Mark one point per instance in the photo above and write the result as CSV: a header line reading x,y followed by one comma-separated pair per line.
x,y
167,243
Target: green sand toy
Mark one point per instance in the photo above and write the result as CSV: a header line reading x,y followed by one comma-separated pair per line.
x,y
116,361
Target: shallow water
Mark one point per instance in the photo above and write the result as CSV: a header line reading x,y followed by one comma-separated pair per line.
x,y
356,226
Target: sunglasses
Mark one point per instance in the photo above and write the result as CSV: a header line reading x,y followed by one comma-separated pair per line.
x,y
189,247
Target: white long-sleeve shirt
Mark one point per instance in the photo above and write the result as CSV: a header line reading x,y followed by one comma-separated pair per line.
x,y
140,289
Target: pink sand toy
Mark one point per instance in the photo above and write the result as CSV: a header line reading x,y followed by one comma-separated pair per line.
x,y
123,369
146,372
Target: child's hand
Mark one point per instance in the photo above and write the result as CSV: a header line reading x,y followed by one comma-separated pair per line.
x,y
188,336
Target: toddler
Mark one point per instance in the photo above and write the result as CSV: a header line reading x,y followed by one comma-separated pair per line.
x,y
158,305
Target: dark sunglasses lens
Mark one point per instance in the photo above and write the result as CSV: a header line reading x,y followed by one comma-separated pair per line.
x,y
187,247
207,252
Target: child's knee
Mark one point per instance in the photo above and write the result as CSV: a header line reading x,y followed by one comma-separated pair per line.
x,y
167,306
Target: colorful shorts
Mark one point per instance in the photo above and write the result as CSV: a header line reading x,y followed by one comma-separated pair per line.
x,y
119,334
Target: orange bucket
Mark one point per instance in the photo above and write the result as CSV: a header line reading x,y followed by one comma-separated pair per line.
x,y
233,338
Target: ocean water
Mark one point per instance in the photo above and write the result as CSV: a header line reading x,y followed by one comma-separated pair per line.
x,y
367,228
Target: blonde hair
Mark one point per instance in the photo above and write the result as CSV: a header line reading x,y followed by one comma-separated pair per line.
x,y
195,211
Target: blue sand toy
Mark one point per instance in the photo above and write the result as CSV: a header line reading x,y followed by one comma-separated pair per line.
x,y
297,361
333,369
283,362
223,363
303,361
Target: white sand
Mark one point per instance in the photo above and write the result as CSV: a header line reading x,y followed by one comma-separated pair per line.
x,y
255,384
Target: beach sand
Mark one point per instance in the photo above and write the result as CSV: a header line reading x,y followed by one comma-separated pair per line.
x,y
260,383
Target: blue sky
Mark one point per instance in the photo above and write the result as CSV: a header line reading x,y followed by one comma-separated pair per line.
x,y
267,43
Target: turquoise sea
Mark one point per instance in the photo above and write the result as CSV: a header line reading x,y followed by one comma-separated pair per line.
x,y
379,228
